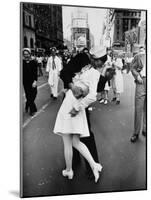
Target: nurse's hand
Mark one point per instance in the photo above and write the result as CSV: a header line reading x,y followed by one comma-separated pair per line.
x,y
73,112
75,89
139,80
34,84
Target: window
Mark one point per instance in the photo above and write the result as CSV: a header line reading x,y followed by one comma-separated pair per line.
x,y
31,43
25,42
26,20
23,18
30,24
117,33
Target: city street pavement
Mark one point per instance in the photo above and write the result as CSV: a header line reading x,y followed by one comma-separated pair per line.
x,y
124,163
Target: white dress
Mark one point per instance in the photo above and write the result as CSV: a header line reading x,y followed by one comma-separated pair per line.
x,y
53,79
117,81
65,124
108,64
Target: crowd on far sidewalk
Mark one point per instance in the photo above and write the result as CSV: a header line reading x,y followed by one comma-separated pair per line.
x,y
52,62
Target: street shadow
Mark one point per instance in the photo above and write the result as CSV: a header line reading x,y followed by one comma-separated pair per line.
x,y
14,193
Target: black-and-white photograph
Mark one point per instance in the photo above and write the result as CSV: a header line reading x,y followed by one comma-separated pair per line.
x,y
83,99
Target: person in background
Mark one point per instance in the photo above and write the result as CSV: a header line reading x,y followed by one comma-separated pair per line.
x,y
117,81
128,61
65,58
104,84
33,57
86,50
138,69
29,81
40,64
45,58
54,66
74,53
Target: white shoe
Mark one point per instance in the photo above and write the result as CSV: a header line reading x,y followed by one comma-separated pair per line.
x,y
68,174
97,169
101,101
90,109
106,101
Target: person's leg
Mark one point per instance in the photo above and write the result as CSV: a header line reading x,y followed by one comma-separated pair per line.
x,y
41,73
51,90
98,96
138,113
67,140
38,69
32,105
27,99
144,118
90,141
139,105
26,106
106,94
34,97
113,88
117,98
101,100
55,87
144,110
82,148
114,94
106,97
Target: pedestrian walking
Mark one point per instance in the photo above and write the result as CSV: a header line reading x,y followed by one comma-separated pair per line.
x,y
139,73
107,73
29,81
54,66
40,65
117,81
128,62
66,57
71,120
45,58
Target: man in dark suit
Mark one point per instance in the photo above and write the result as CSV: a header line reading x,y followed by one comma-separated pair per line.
x,y
66,75
29,81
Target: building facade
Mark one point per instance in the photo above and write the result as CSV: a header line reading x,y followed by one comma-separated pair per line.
x,y
48,25
42,23
28,38
120,21
136,37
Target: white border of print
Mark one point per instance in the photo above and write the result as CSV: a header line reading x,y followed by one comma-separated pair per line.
x,y
9,100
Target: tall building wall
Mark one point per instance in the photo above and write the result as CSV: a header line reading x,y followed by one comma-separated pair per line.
x,y
122,21
28,36
47,24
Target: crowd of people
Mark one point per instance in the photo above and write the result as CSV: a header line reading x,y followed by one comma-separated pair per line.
x,y
87,77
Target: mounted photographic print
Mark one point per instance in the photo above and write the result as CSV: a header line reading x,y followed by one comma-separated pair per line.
x,y
83,99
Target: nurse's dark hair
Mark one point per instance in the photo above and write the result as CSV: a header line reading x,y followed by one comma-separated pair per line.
x,y
78,62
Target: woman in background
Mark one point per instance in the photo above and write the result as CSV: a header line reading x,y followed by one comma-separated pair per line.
x,y
117,81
